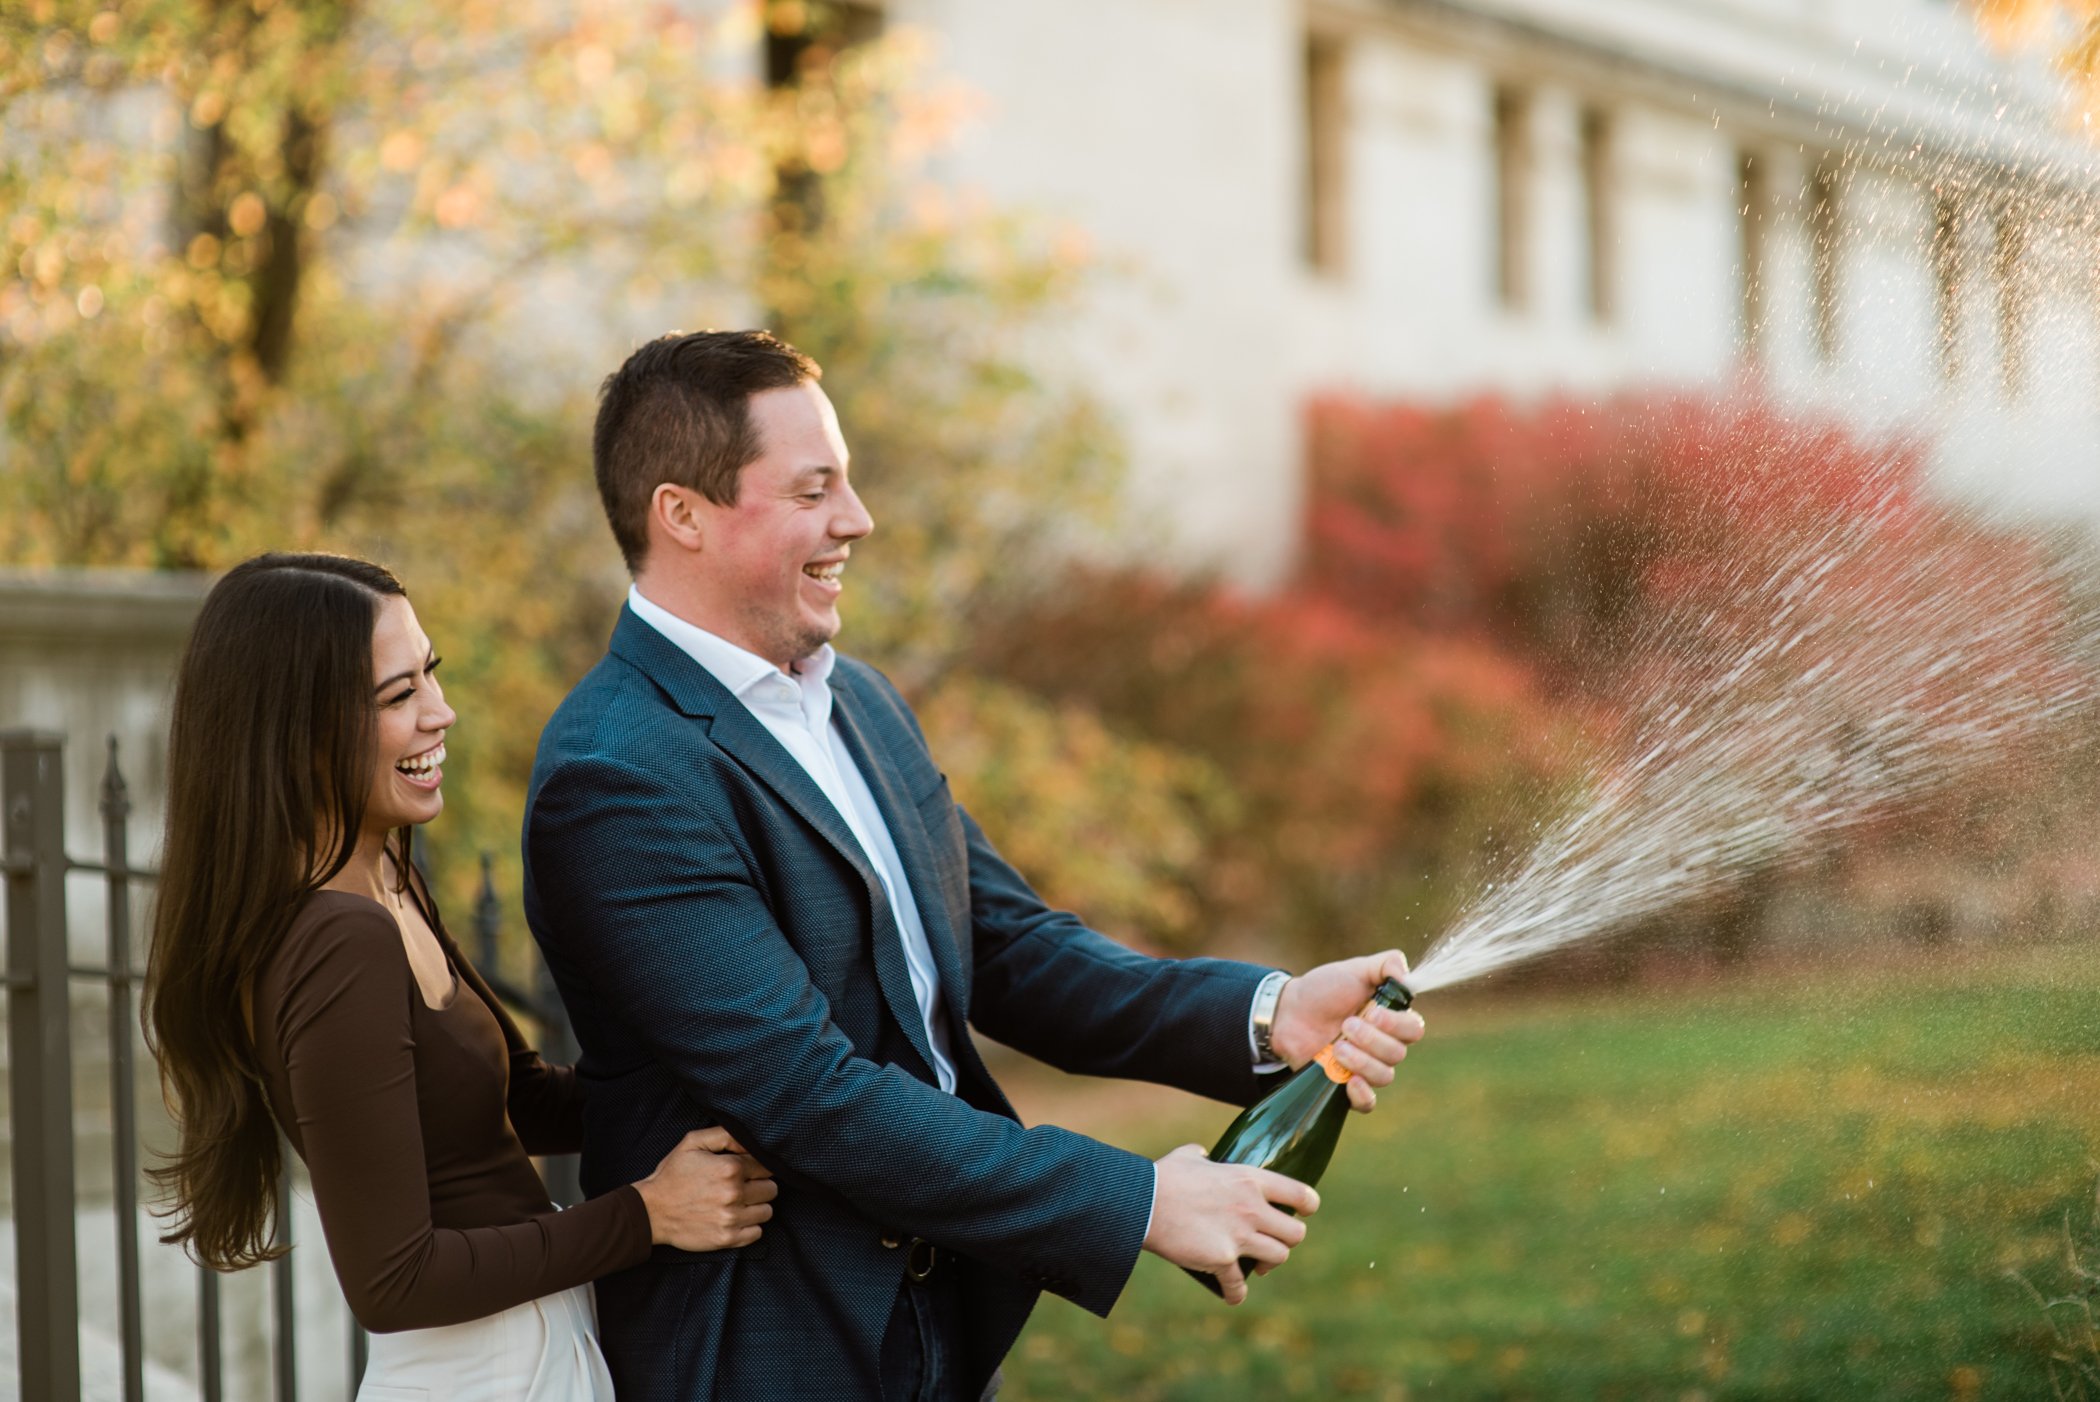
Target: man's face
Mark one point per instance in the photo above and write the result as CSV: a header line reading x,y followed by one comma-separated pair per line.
x,y
771,563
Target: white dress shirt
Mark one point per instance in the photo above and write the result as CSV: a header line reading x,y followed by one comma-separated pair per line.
x,y
797,711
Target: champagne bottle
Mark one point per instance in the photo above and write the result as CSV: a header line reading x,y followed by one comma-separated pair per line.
x,y
1293,1128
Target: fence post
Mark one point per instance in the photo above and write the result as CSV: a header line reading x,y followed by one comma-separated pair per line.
x,y
558,1045
211,1359
283,1305
543,1000
488,920
40,1064
124,1171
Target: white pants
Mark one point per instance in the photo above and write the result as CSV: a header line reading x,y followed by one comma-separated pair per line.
x,y
545,1350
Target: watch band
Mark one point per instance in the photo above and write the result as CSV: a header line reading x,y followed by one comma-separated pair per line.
x,y
1263,1017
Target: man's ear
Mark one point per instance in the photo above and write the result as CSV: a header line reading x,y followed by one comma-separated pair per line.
x,y
678,514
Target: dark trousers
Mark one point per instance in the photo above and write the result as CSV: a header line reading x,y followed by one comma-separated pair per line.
x,y
922,1347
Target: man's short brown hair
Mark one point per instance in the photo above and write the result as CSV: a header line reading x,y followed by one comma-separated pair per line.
x,y
679,411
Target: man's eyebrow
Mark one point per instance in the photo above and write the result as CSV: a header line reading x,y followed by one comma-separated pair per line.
x,y
816,474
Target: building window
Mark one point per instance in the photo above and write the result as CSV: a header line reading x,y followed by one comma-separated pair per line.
x,y
1600,233
1753,205
1825,258
1512,198
1947,283
2015,296
1325,127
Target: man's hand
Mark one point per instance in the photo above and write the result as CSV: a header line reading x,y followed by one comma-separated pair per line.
x,y
1206,1216
1323,1006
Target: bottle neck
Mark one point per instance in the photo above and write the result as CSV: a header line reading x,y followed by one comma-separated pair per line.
x,y
1391,994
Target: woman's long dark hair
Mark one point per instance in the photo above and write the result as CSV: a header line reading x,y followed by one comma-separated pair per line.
x,y
270,757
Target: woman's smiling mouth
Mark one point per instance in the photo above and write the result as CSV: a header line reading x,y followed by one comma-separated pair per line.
x,y
423,770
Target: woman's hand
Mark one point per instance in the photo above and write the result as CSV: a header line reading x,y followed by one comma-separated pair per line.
x,y
708,1194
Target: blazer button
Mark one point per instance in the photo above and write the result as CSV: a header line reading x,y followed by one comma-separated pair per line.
x,y
892,1241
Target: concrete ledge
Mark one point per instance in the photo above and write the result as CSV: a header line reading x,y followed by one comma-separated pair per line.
x,y
76,604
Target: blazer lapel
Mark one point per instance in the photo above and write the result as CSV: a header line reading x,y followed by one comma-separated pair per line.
x,y
908,831
745,739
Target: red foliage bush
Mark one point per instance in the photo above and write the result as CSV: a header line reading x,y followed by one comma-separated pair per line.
x,y
1370,763
1483,589
1654,552
1542,528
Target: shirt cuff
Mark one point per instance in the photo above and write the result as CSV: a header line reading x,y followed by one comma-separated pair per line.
x,y
1153,1206
1274,981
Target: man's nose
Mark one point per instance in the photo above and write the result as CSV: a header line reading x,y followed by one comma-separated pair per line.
x,y
853,520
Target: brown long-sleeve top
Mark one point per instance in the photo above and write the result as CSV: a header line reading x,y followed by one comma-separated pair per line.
x,y
415,1123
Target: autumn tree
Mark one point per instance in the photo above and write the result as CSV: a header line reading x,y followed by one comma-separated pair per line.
x,y
343,274
2068,29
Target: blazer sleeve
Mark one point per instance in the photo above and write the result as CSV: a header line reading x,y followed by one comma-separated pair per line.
x,y
654,903
349,1052
1047,985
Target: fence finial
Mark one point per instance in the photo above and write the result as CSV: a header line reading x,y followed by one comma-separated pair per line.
x,y
116,794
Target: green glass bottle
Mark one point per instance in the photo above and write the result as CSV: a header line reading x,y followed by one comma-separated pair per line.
x,y
1293,1128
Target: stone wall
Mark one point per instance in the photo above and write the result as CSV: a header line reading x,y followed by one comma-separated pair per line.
x,y
1176,135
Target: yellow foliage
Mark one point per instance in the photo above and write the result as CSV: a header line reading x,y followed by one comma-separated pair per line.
x,y
1120,829
2068,29
186,400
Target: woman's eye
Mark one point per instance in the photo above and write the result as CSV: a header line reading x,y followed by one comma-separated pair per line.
x,y
435,663
397,700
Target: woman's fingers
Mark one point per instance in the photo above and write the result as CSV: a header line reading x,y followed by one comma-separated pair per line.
x,y
717,1140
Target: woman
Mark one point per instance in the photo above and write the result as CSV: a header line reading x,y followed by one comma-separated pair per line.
x,y
300,979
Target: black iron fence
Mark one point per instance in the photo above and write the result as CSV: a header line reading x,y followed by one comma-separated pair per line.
x,y
41,975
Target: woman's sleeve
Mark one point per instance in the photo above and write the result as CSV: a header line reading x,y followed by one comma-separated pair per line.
x,y
344,1030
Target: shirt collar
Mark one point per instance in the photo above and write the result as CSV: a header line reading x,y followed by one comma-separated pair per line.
x,y
734,667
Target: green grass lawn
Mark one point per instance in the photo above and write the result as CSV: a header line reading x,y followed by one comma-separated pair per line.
x,y
1811,1186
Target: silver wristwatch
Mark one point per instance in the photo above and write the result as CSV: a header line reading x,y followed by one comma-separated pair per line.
x,y
1266,997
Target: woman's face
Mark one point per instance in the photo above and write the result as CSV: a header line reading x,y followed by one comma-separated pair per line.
x,y
413,718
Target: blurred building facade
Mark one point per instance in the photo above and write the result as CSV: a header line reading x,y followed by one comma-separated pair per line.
x,y
1858,205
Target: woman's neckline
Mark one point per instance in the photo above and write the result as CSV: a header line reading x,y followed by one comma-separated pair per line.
x,y
451,994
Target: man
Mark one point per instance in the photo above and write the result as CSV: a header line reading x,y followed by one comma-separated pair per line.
x,y
765,910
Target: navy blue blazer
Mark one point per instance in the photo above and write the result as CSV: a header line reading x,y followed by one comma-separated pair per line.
x,y
728,956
